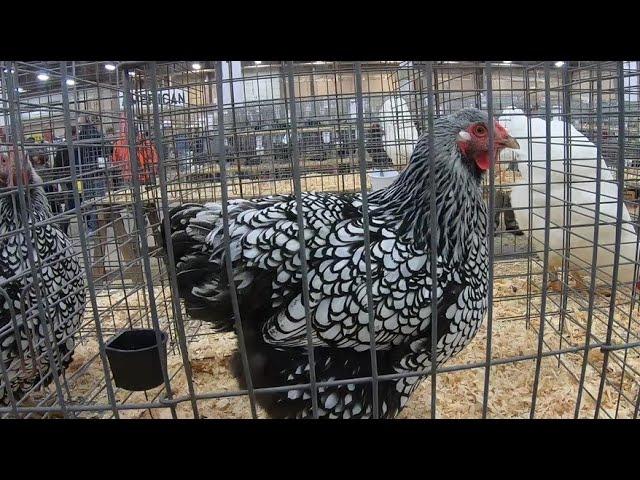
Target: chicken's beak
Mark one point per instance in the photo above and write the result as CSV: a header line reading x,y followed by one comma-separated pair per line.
x,y
509,142
503,139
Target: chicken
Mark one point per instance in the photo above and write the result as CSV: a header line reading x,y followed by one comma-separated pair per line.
x,y
400,134
583,160
265,256
23,353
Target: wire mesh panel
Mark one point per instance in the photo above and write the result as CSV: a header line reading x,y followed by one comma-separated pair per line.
x,y
134,192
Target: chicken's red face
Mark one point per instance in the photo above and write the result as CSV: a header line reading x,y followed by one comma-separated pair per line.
x,y
473,142
9,171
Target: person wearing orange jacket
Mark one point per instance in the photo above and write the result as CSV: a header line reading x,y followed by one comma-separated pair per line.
x,y
146,153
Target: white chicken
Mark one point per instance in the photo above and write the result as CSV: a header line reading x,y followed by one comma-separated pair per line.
x,y
531,135
400,134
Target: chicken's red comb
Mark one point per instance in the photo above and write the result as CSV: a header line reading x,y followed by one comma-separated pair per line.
x,y
500,128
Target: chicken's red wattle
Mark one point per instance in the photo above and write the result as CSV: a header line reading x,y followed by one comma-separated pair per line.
x,y
483,161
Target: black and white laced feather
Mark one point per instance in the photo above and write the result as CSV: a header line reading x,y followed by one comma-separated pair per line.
x,y
267,274
22,336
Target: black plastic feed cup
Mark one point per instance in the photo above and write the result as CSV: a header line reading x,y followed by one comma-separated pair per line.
x,y
134,358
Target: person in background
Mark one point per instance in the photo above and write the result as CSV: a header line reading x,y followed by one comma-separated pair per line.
x,y
182,152
40,162
108,148
44,164
92,163
182,145
146,157
111,178
62,170
197,145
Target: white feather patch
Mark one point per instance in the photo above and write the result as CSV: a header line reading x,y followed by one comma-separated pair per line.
x,y
464,136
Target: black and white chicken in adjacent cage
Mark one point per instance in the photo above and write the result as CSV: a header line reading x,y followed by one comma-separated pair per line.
x,y
39,315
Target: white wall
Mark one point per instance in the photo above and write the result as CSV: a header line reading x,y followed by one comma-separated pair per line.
x,y
262,89
232,70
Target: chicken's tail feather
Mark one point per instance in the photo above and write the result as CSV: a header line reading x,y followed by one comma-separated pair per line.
x,y
201,283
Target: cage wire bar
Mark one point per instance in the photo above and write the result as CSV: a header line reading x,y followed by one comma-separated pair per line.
x,y
137,203
616,260
230,130
490,229
179,323
225,218
300,221
594,257
545,260
367,239
434,228
82,238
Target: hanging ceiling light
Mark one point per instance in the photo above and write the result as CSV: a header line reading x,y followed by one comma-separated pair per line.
x,y
132,74
258,62
196,66
110,66
559,64
507,62
20,90
71,82
43,77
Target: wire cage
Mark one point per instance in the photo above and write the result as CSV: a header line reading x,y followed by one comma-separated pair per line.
x,y
116,145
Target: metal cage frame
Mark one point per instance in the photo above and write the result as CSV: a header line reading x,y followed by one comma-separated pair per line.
x,y
289,127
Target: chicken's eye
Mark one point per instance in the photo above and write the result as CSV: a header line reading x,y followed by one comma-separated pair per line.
x,y
480,130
